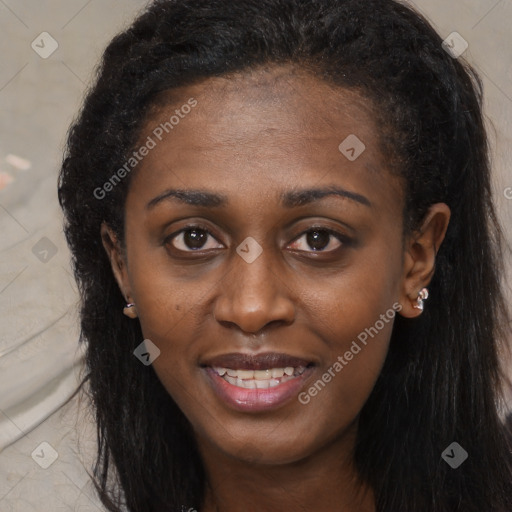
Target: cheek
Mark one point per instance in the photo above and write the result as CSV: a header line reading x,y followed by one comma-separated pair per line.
x,y
167,302
343,305
173,314
353,315
168,316
356,329
358,343
167,310
354,363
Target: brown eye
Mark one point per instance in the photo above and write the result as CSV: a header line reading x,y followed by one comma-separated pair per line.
x,y
192,239
318,240
195,238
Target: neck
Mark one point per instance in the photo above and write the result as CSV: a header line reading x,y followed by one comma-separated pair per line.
x,y
324,482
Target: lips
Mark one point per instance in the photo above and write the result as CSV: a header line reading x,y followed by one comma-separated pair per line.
x,y
255,383
265,361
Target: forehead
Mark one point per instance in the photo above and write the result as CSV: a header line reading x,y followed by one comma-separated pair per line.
x,y
277,101
270,127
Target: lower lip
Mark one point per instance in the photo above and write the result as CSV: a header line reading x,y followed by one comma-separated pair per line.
x,y
256,400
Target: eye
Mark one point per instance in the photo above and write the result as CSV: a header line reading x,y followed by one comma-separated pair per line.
x,y
319,240
193,238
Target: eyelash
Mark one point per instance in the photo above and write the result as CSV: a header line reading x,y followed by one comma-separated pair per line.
x,y
342,238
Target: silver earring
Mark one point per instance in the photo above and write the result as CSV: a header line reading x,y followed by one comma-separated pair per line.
x,y
422,295
130,311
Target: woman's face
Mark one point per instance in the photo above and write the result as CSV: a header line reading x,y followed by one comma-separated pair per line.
x,y
280,253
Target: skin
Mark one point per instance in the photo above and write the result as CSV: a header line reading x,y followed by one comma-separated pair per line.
x,y
252,137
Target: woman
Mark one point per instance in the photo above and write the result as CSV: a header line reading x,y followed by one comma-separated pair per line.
x,y
290,203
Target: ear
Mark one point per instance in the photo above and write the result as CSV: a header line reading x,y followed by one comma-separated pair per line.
x,y
420,257
117,260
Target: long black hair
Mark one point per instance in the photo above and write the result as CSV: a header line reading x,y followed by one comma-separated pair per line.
x,y
441,382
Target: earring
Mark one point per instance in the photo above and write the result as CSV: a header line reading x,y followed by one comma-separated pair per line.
x,y
130,311
422,295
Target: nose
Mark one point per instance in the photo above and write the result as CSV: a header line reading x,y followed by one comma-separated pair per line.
x,y
254,296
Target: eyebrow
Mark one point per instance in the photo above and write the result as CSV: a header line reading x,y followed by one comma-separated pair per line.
x,y
295,198
289,199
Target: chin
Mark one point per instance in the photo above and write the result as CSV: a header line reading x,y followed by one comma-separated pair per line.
x,y
268,451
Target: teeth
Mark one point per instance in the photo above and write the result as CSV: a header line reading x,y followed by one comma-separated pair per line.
x,y
245,374
262,374
231,380
259,379
262,384
249,384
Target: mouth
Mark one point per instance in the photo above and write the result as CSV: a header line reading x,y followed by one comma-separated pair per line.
x,y
257,382
259,379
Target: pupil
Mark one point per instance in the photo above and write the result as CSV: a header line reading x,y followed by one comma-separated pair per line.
x,y
195,238
318,240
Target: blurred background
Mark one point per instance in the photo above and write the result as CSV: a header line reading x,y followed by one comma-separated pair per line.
x,y
49,49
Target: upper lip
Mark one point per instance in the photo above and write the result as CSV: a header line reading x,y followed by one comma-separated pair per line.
x,y
240,361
